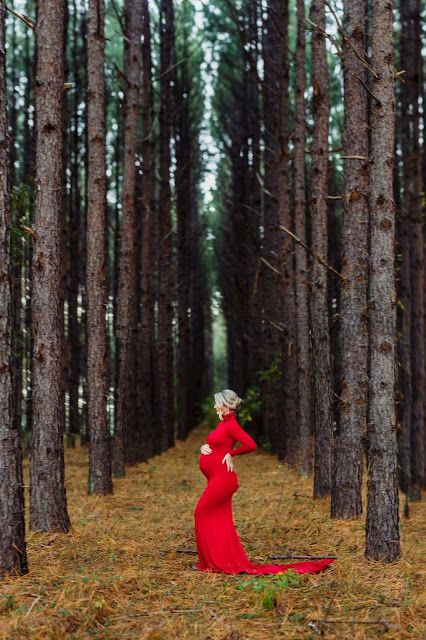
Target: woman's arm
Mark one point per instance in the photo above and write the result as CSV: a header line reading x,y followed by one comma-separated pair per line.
x,y
238,433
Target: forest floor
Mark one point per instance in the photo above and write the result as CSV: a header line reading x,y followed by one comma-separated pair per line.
x,y
118,574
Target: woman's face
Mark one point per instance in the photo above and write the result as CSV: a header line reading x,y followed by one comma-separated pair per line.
x,y
221,411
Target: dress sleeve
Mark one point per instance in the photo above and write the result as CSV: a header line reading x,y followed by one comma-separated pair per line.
x,y
238,433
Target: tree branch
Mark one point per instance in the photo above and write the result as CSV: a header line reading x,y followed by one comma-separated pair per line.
x,y
314,253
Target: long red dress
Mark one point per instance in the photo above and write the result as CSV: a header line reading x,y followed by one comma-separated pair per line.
x,y
219,548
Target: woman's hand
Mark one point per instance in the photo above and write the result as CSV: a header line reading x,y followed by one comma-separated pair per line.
x,y
205,449
229,462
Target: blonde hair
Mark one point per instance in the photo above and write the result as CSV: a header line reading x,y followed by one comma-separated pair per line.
x,y
228,398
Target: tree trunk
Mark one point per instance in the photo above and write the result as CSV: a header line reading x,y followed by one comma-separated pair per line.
x,y
304,392
97,379
382,527
124,446
165,308
148,219
414,161
404,228
48,506
17,251
183,182
274,59
348,448
253,207
319,308
289,386
13,558
75,199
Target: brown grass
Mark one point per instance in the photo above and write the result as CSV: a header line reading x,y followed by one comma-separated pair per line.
x,y
118,574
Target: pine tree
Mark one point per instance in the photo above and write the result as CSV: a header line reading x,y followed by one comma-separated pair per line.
x,y
97,381
382,529
48,506
348,446
318,301
13,559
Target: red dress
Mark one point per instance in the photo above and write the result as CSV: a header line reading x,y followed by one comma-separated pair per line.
x,y
219,548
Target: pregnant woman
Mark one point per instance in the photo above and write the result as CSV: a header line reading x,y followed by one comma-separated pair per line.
x,y
219,548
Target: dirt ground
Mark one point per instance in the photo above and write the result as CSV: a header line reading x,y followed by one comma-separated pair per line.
x,y
120,574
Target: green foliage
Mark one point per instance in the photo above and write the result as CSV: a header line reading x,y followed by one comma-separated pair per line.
x,y
7,603
264,443
270,587
21,199
296,617
252,405
274,372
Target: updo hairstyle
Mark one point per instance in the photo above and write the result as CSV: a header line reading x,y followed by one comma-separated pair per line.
x,y
228,398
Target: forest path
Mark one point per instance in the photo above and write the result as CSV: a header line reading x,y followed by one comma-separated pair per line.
x,y
117,573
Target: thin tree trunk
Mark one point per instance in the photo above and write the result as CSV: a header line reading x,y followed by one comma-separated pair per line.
x,y
183,180
97,378
274,58
403,315
254,200
29,177
75,198
48,506
64,248
114,252
319,307
124,449
84,418
13,558
165,308
346,499
404,283
382,527
148,213
17,252
418,432
304,392
286,218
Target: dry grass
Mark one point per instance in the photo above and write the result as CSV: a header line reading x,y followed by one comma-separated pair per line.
x,y
118,574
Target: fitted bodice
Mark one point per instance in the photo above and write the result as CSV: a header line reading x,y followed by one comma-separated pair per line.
x,y
220,444
222,440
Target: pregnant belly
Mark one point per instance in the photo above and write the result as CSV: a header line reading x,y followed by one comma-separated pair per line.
x,y
211,464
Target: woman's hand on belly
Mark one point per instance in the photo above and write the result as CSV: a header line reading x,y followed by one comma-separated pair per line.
x,y
229,462
205,449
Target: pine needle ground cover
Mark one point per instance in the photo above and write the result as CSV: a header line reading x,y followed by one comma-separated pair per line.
x,y
125,572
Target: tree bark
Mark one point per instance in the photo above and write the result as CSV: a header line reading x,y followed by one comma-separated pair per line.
x,y
382,526
97,380
253,209
304,392
147,343
346,499
184,153
289,387
319,308
126,426
48,506
77,96
13,558
414,160
165,306
17,249
275,58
